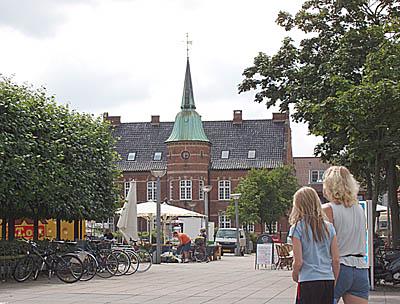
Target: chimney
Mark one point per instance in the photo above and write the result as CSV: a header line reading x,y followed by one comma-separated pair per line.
x,y
280,117
237,117
155,120
114,120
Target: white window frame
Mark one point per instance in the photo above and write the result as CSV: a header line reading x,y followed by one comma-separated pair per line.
x,y
171,190
274,227
130,158
185,189
151,191
127,185
224,154
251,154
319,173
159,156
224,221
251,228
201,192
224,190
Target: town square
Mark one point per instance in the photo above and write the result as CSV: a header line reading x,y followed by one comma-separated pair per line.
x,y
189,151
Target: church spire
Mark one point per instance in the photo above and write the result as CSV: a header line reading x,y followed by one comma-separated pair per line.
x,y
187,97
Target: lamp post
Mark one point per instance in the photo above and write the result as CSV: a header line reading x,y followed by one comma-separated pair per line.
x,y
206,190
235,197
158,174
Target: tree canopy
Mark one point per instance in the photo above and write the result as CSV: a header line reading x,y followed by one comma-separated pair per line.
x,y
266,195
54,163
343,80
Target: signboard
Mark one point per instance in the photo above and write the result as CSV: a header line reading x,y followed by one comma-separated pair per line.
x,y
265,255
26,231
364,205
369,257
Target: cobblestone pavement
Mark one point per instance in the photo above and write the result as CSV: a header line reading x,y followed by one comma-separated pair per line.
x,y
231,280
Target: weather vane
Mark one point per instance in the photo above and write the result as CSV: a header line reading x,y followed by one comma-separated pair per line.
x,y
187,44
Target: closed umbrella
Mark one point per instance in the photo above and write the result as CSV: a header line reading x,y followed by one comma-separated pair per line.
x,y
127,222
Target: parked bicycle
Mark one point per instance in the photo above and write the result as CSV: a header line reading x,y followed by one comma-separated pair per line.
x,y
67,267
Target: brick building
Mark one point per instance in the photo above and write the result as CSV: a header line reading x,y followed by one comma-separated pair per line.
x,y
309,172
196,153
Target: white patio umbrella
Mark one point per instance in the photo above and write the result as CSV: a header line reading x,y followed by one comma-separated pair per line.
x,y
127,222
149,209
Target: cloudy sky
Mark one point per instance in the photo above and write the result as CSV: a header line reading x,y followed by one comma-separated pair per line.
x,y
127,57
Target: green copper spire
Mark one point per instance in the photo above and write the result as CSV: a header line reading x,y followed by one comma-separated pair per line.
x,y
188,125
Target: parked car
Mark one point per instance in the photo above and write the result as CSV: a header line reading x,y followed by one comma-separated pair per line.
x,y
226,237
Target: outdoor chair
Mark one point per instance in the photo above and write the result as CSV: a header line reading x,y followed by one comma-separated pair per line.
x,y
285,257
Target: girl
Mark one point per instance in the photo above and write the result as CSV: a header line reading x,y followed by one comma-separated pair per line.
x,y
315,249
349,221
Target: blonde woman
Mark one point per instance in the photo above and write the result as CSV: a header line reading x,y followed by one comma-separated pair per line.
x,y
315,250
348,217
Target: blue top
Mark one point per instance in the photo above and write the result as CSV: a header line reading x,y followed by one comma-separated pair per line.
x,y
317,259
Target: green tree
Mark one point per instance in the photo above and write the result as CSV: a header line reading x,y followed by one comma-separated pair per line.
x,y
266,196
343,81
54,163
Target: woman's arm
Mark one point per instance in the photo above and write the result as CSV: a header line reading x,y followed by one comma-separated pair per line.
x,y
335,258
297,258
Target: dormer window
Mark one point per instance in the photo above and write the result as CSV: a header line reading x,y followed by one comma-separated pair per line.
x,y
251,154
225,154
132,156
157,156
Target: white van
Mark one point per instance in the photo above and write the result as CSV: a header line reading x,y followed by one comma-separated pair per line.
x,y
226,237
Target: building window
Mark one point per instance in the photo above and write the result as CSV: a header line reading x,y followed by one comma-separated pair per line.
x,y
225,154
250,228
157,156
274,227
224,221
251,154
132,156
316,176
224,190
152,191
185,190
171,190
201,192
127,185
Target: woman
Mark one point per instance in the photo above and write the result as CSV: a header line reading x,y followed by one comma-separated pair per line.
x,y
348,218
315,250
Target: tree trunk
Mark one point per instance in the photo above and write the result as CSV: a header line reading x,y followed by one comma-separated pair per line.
x,y
58,229
393,203
76,229
375,192
4,229
35,228
11,228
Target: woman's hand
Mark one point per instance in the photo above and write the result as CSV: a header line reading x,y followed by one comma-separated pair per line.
x,y
295,276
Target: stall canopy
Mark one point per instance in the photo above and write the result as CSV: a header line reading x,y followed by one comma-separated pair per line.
x,y
149,209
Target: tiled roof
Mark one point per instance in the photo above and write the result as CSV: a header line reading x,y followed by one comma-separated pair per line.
x,y
264,136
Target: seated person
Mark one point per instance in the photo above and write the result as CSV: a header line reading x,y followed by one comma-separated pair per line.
x,y
184,245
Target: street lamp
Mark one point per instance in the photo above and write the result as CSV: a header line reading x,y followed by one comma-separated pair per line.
x,y
158,174
206,189
235,197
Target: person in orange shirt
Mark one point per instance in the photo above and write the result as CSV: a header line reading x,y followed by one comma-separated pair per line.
x,y
184,245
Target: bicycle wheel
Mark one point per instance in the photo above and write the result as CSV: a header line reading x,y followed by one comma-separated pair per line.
x,y
24,269
145,260
69,268
90,266
135,262
108,265
124,262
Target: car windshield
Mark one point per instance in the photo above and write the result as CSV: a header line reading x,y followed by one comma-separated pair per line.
x,y
226,233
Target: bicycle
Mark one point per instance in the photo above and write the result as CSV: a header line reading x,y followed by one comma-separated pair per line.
x,y
67,267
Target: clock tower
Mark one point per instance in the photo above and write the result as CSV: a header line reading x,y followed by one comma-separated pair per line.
x,y
188,154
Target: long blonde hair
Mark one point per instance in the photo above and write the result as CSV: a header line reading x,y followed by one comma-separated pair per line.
x,y
340,186
307,207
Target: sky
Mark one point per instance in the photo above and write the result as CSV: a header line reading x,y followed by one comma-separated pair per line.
x,y
128,57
